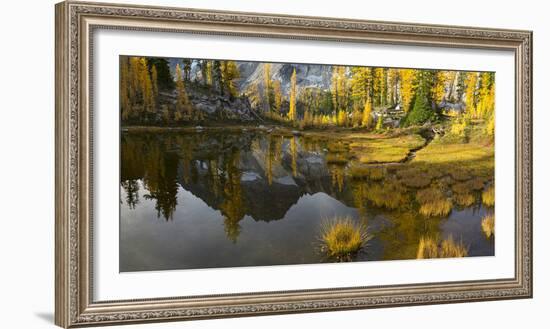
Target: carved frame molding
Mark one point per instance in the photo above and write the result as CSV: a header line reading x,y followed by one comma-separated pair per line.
x,y
75,24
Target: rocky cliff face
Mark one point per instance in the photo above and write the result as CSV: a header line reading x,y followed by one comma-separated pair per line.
x,y
307,75
214,106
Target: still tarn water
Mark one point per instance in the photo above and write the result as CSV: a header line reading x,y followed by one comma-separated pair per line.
x,y
250,198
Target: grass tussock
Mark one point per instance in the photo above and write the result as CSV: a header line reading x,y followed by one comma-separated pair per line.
x,y
488,225
433,201
464,199
488,196
341,237
417,181
430,247
450,248
427,248
460,174
418,175
438,207
428,194
364,172
474,184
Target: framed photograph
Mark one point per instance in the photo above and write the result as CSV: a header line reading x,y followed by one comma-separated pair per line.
x,y
217,164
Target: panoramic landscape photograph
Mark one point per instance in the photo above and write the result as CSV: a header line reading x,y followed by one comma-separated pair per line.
x,y
229,163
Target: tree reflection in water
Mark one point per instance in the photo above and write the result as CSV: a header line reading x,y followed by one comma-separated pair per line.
x,y
262,177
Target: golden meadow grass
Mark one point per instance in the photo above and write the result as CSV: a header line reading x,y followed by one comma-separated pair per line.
x,y
433,247
390,149
368,148
341,237
462,161
462,168
440,176
440,152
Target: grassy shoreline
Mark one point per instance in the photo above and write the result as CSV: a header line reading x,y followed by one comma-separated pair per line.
x,y
340,132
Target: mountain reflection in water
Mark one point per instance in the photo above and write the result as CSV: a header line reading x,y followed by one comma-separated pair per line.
x,y
250,198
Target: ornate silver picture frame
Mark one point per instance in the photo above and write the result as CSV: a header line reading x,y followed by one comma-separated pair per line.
x,y
76,22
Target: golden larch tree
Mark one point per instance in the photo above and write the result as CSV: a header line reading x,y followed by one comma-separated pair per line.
x,y
268,89
441,79
292,109
147,88
380,86
135,78
183,108
486,103
367,114
230,72
470,86
278,94
209,79
379,123
342,118
254,94
393,83
361,84
339,89
357,116
407,78
125,105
